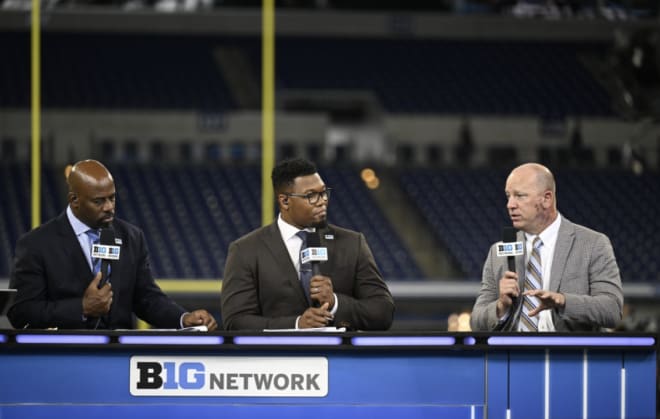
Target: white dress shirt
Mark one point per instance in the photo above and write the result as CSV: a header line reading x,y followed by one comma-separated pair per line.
x,y
547,251
293,242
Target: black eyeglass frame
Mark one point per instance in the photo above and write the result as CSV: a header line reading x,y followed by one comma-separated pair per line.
x,y
312,197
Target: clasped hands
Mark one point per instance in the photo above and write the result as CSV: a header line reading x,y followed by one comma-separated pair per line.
x,y
509,290
321,291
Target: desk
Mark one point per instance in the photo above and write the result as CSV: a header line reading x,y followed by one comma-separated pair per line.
x,y
351,375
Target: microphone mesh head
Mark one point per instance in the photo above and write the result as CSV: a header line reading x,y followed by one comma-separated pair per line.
x,y
313,239
107,236
509,234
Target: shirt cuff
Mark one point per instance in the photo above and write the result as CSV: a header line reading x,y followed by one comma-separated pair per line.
x,y
505,317
181,326
334,309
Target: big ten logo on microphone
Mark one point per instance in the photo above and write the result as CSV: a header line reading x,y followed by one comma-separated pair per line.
x,y
314,254
229,376
510,249
104,251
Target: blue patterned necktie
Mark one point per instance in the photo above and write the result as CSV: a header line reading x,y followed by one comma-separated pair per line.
x,y
305,268
533,281
94,238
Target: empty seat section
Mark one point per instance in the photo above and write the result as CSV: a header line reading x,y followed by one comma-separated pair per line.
x,y
353,207
466,211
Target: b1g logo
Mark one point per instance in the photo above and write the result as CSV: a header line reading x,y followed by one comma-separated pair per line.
x,y
106,251
319,251
229,376
169,375
510,249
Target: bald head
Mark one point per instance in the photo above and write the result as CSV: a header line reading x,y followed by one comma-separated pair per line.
x,y
88,173
542,176
530,191
91,193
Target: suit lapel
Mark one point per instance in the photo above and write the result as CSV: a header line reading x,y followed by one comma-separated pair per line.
x,y
116,268
72,250
275,245
327,241
565,238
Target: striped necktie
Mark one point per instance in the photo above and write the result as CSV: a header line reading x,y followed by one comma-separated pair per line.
x,y
533,281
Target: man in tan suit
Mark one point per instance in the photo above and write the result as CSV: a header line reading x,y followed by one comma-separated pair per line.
x,y
262,286
568,278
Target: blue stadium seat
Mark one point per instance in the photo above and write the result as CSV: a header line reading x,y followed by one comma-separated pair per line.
x,y
407,75
466,211
353,207
190,214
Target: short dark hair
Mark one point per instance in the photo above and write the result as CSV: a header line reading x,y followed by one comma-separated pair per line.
x,y
286,171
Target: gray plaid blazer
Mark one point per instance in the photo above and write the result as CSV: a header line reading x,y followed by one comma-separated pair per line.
x,y
584,270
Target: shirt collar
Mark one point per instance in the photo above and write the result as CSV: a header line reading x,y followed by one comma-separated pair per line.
x,y
287,230
78,226
549,234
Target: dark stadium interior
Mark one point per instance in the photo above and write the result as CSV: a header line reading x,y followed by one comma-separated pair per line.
x,y
537,78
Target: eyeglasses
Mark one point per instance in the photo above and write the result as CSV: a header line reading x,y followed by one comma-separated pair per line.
x,y
312,197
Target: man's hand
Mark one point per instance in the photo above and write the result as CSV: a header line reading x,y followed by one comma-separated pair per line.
x,y
547,299
198,318
315,317
508,291
320,289
96,302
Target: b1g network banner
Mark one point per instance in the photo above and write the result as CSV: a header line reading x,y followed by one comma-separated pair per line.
x,y
229,376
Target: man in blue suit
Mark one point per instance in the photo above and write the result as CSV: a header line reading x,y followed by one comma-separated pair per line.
x,y
53,270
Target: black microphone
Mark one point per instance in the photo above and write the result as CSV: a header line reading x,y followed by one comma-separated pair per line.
x,y
509,248
314,253
107,251
509,238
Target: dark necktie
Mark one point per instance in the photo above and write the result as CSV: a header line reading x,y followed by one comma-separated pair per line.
x,y
94,238
305,268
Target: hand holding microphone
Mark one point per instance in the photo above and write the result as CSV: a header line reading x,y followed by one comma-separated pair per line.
x,y
320,289
97,301
509,290
320,286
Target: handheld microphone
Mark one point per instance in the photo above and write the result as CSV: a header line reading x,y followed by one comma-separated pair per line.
x,y
107,251
314,253
510,247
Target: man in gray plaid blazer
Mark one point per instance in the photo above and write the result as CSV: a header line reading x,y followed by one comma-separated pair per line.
x,y
578,285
